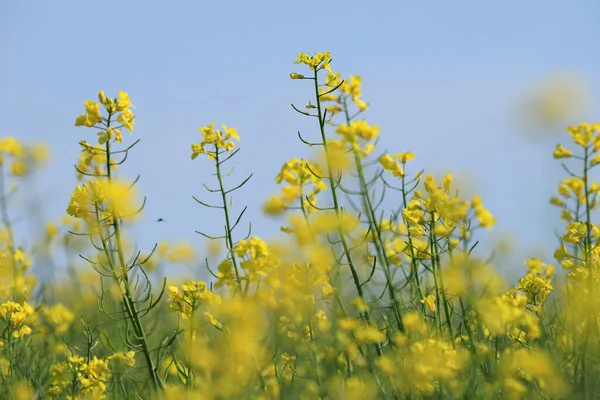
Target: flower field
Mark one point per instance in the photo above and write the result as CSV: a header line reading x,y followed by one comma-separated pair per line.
x,y
375,288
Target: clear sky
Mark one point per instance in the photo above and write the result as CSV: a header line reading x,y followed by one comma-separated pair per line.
x,y
443,78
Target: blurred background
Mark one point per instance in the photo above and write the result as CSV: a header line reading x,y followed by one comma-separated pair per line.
x,y
482,90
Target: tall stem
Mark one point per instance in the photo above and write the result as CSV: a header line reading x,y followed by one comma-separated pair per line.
x,y
375,228
228,233
336,205
128,302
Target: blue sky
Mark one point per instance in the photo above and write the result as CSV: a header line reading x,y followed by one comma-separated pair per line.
x,y
444,80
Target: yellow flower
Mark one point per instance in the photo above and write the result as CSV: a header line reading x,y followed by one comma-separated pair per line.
x,y
557,202
390,165
561,253
486,219
91,116
127,119
362,106
123,102
369,334
60,317
358,129
537,288
316,61
18,168
11,146
360,304
213,320
328,291
331,80
128,357
429,302
352,86
183,252
337,154
40,153
274,206
225,275
121,199
348,324
531,365
51,230
583,133
404,157
447,182
220,139
561,152
193,295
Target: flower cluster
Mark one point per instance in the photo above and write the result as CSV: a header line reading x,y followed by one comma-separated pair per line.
x,y
190,297
119,107
359,135
220,140
103,200
23,157
537,283
315,62
59,317
350,89
298,174
80,376
14,266
258,259
395,164
14,316
508,315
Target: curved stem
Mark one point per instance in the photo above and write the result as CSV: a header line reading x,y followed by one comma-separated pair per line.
x,y
336,205
228,233
126,292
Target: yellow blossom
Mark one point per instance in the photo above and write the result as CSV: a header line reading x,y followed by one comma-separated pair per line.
x,y
429,302
561,152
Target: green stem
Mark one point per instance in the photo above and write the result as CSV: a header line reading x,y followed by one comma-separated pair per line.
x,y
336,205
413,259
128,302
228,233
590,267
375,228
439,282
